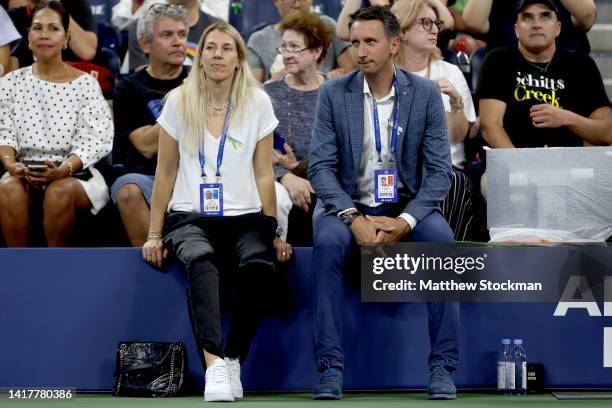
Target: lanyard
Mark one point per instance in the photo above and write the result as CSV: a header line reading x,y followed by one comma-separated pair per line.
x,y
221,145
395,114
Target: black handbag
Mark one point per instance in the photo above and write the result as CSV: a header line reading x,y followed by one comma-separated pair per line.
x,y
150,369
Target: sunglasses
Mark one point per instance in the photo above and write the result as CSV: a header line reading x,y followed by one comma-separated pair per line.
x,y
161,7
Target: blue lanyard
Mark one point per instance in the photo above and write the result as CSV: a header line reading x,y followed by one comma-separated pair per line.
x,y
221,145
393,144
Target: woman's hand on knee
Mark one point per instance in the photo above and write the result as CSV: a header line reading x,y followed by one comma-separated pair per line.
x,y
153,252
283,250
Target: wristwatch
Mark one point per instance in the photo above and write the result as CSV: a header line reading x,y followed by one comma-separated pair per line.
x,y
279,232
349,216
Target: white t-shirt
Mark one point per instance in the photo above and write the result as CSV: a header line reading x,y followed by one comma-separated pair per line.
x,y
443,69
240,195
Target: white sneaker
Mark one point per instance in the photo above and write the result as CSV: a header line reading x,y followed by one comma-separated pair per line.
x,y
233,367
217,386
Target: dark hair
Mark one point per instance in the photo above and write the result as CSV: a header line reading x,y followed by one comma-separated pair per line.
x,y
382,14
317,32
56,6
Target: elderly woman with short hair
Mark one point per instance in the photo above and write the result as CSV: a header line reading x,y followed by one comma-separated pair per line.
x,y
305,40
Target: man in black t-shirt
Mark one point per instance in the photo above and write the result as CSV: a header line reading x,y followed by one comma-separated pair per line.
x,y
137,103
533,95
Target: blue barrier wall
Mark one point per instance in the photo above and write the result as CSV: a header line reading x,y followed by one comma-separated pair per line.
x,y
62,312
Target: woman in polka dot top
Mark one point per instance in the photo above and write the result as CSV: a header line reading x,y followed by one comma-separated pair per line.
x,y
54,125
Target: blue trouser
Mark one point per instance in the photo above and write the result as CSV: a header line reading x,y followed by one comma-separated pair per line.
x,y
333,242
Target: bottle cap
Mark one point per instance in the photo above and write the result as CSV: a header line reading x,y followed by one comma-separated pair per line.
x,y
505,341
518,342
236,7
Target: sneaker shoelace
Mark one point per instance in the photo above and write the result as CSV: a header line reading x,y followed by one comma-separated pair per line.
x,y
233,367
439,372
219,374
330,374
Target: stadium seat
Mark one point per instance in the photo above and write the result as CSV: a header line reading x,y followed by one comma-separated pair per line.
x,y
476,63
108,36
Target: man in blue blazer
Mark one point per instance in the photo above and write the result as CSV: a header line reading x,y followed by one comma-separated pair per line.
x,y
380,165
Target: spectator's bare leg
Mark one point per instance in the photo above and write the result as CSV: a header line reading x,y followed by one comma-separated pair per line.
x,y
135,213
64,198
14,211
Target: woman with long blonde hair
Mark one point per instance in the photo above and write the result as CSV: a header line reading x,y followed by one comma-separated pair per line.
x,y
420,24
214,177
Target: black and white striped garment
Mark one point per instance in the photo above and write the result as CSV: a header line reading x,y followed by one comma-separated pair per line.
x,y
457,208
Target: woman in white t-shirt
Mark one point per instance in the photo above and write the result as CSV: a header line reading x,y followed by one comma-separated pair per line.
x,y
215,179
420,23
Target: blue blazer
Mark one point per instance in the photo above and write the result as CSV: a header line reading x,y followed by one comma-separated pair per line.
x,y
423,150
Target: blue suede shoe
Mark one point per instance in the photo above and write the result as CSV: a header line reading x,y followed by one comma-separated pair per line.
x,y
441,385
330,384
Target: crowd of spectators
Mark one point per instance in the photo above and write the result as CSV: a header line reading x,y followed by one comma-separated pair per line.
x,y
293,56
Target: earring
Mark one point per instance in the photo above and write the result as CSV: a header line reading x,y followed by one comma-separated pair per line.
x,y
29,46
65,46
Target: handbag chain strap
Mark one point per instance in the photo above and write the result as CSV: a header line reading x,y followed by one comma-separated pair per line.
x,y
122,350
171,386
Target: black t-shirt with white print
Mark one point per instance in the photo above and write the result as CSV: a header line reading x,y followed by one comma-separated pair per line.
x,y
571,81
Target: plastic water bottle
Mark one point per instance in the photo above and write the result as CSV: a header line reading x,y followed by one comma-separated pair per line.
x,y
519,358
463,60
504,379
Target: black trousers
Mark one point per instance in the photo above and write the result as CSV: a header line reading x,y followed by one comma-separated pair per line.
x,y
236,249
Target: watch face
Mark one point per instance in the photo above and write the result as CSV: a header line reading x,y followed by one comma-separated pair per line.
x,y
347,219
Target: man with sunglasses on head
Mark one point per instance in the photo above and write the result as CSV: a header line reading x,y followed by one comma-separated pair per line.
x,y
376,122
137,102
197,22
534,95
